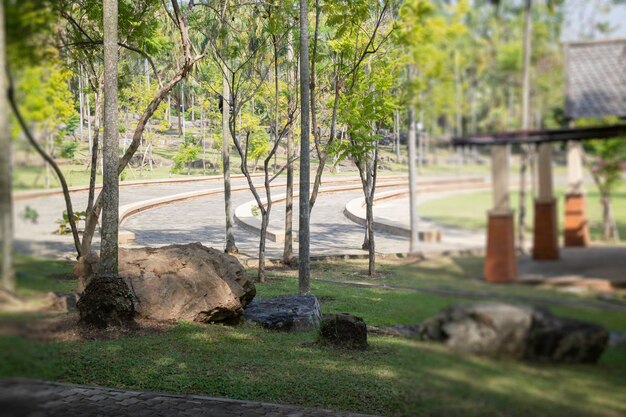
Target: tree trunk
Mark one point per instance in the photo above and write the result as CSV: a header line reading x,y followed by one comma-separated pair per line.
x,y
110,149
413,245
525,124
262,240
89,132
81,102
231,247
94,156
396,135
107,299
169,111
288,246
6,202
608,220
371,247
46,179
304,272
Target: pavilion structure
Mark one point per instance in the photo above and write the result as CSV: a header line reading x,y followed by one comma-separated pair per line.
x,y
595,88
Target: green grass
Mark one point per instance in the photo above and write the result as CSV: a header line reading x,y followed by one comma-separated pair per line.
x,y
395,377
475,205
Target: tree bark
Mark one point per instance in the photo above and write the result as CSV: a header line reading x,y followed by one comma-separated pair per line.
x,y
6,202
94,150
396,135
525,124
304,271
81,102
413,245
231,247
110,149
288,246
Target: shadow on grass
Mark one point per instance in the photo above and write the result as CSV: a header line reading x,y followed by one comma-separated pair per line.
x,y
394,377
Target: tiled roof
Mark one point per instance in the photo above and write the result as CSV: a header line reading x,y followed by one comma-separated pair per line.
x,y
595,79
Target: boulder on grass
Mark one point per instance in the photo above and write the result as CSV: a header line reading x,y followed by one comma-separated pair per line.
x,y
343,330
287,314
185,282
519,332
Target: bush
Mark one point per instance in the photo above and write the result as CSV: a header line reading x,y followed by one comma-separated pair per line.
x,y
68,150
186,153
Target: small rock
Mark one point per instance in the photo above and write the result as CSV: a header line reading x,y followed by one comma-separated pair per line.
x,y
343,330
288,314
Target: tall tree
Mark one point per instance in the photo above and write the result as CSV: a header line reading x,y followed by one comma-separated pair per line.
x,y
107,299
231,246
304,268
110,148
413,242
6,203
288,246
526,123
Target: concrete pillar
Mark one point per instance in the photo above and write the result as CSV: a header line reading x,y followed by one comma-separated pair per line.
x,y
576,233
545,238
500,259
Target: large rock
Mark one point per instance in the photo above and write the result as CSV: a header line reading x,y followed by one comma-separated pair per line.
x,y
292,313
343,330
184,282
520,332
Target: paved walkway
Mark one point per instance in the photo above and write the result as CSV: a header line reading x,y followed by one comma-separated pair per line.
x,y
28,398
203,219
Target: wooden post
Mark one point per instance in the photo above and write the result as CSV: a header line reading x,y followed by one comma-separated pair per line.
x,y
500,259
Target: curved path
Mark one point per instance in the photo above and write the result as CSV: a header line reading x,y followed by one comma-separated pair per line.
x,y
201,219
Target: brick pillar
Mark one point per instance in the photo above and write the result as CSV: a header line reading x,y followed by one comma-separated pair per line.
x,y
500,259
545,237
576,233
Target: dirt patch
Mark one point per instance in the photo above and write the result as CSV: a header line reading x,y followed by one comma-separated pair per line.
x,y
65,328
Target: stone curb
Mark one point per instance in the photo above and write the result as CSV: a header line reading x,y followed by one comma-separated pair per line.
x,y
354,209
245,218
29,194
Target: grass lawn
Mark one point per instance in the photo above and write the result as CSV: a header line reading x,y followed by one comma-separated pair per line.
x,y
475,205
395,377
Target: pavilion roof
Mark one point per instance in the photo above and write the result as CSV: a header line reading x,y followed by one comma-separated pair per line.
x,y
595,79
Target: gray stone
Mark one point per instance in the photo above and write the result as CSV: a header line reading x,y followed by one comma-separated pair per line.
x,y
520,332
343,330
289,314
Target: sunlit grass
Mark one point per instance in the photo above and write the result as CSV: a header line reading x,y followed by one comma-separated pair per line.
x,y
474,206
395,377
